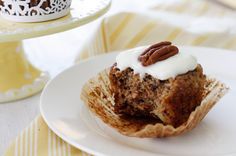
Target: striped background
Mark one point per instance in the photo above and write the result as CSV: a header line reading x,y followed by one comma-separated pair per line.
x,y
165,21
198,23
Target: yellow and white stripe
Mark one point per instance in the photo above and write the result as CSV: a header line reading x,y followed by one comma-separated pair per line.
x,y
122,31
39,140
196,8
131,29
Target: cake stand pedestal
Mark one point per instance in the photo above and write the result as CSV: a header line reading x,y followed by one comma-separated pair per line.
x,y
18,77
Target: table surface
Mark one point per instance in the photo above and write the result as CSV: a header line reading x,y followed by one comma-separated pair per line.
x,y
50,56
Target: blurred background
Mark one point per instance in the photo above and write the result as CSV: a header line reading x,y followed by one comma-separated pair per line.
x,y
56,52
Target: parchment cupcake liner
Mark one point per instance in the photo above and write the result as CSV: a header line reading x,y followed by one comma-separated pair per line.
x,y
97,95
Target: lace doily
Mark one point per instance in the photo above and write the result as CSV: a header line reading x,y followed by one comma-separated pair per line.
x,y
31,11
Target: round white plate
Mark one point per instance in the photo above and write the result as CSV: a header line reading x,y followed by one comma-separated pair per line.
x,y
67,116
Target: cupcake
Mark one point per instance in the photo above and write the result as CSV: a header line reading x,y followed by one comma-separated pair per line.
x,y
34,10
166,86
152,92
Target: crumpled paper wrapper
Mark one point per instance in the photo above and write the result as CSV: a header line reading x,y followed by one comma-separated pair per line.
x,y
97,95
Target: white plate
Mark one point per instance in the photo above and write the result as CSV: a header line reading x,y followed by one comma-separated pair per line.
x,y
67,116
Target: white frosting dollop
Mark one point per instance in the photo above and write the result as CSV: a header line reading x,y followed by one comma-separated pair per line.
x,y
162,70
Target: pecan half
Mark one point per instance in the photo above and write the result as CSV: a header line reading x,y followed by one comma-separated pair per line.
x,y
158,52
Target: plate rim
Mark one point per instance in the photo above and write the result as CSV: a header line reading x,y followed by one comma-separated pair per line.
x,y
6,37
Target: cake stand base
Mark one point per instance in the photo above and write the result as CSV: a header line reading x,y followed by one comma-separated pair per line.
x,y
18,78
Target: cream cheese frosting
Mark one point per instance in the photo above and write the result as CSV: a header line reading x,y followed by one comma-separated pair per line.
x,y
176,65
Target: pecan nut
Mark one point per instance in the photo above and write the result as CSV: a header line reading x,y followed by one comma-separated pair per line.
x,y
158,52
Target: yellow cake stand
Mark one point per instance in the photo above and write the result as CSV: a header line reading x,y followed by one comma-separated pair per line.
x,y
18,77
